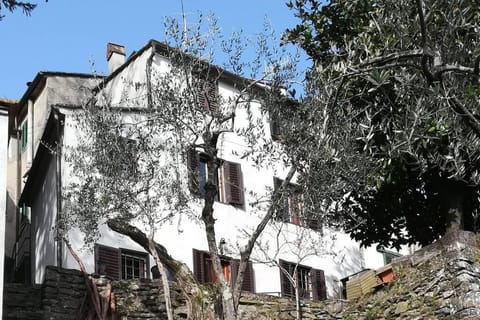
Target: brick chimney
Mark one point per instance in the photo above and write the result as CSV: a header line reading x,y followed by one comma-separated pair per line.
x,y
115,56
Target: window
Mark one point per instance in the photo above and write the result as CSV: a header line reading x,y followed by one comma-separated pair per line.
x,y
25,213
388,256
311,282
203,270
24,136
290,208
276,129
283,115
208,95
121,263
228,179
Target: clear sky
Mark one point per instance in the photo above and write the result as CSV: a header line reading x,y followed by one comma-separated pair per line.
x,y
67,35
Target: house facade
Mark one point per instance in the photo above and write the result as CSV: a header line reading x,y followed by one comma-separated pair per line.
x,y
45,126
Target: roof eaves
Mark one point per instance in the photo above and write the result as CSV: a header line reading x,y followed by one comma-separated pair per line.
x,y
42,75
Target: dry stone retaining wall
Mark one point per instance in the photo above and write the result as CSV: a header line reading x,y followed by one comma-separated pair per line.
x,y
441,281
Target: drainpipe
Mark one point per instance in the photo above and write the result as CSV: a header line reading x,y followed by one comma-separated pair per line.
x,y
148,72
58,183
30,144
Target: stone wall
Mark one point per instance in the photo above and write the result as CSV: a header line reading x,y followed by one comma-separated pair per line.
x,y
441,281
59,297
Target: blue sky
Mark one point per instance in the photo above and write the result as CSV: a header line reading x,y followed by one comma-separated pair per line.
x,y
68,35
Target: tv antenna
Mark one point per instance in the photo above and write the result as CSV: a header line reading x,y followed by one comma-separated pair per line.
x,y
184,18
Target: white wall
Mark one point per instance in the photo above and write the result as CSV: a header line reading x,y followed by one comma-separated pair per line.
x,y
43,213
340,256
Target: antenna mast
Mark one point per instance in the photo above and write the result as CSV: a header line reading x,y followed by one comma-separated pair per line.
x,y
184,18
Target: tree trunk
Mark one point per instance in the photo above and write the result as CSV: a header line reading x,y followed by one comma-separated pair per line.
x,y
298,306
163,273
454,197
183,275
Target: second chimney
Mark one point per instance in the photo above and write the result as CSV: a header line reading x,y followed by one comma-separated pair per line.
x,y
115,56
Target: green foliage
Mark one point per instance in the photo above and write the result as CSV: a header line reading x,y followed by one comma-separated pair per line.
x,y
12,5
394,91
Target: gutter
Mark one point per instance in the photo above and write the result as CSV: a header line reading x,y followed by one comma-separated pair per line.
x,y
58,185
148,72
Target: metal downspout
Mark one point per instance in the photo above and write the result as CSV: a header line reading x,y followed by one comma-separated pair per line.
x,y
148,72
58,182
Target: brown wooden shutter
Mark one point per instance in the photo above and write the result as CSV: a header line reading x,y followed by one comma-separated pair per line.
x,y
275,130
211,94
208,95
108,261
193,174
233,181
285,284
314,223
248,283
319,289
282,212
199,268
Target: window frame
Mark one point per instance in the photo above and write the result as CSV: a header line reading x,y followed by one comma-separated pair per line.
x,y
314,287
112,260
285,211
24,135
388,255
229,179
204,273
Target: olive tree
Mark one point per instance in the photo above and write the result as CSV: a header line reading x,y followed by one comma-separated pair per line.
x,y
396,84
12,5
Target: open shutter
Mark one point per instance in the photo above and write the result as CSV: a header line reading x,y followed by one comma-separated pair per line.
x,y
285,284
248,283
233,181
193,174
199,268
319,289
108,261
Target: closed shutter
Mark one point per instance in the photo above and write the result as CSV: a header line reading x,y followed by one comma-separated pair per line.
x,y
285,284
314,223
108,261
199,267
248,283
233,181
208,95
282,212
319,288
275,130
193,176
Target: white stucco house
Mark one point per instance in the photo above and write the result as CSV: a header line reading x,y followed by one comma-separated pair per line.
x,y
37,171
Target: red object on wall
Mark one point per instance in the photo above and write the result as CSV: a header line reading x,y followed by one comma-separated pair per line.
x,y
385,274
